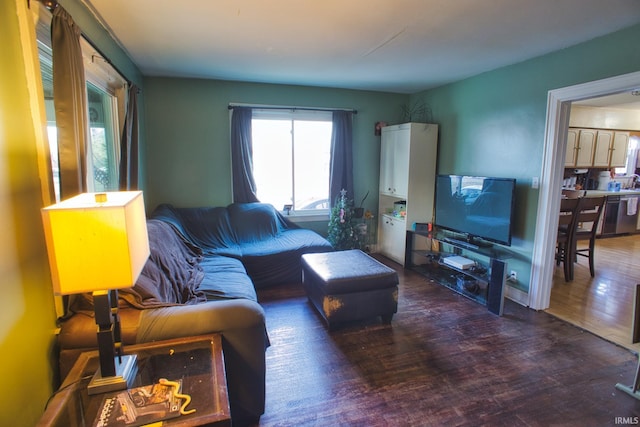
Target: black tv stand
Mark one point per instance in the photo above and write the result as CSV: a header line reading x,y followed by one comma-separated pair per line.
x,y
483,283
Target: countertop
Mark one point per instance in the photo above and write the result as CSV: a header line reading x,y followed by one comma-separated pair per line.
x,y
598,193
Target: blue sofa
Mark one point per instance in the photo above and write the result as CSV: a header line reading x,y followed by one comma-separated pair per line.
x,y
268,245
200,278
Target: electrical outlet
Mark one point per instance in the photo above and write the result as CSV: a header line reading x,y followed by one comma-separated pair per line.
x,y
535,182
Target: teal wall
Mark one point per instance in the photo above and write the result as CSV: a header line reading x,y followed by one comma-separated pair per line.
x,y
188,151
494,123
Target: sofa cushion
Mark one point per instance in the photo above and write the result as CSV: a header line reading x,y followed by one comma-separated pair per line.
x,y
225,278
277,260
208,228
255,222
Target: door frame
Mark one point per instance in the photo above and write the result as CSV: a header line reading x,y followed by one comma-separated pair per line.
x,y
557,123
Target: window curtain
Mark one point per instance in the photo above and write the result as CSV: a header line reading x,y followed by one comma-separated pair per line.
x,y
128,179
70,103
244,186
341,165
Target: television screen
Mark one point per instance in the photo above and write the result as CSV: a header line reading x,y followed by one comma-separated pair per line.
x,y
478,207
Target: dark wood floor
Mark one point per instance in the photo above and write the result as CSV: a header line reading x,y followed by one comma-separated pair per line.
x,y
444,360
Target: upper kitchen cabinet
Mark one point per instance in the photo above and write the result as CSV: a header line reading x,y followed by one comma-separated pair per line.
x,y
620,148
572,144
580,147
610,149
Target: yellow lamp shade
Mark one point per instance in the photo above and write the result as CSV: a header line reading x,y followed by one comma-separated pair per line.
x,y
96,243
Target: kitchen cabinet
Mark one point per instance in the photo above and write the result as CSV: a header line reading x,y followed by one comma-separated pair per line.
x,y
600,148
610,149
408,154
619,149
580,146
572,146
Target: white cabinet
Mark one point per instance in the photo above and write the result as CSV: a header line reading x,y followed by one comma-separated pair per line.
x,y
604,142
611,149
584,148
392,237
394,158
619,149
598,148
408,155
572,146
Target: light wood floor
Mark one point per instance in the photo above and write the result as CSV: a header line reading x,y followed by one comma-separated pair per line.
x,y
602,304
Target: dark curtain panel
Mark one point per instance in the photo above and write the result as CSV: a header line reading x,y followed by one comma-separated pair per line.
x,y
70,103
341,166
129,143
244,186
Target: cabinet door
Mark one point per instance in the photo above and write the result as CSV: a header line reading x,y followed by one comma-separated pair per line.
x,y
392,238
586,142
387,161
401,165
602,148
572,147
620,146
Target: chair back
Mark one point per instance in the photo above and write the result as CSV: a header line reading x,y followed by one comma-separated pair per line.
x,y
588,216
567,218
572,194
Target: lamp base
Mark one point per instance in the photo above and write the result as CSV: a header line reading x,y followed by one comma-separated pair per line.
x,y
125,375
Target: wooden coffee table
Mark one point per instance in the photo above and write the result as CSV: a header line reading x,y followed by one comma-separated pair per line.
x,y
197,361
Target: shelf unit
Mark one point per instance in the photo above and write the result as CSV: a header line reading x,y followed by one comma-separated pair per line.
x,y
483,283
408,157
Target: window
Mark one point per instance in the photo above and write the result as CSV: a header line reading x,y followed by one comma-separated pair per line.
x,y
105,92
291,156
632,157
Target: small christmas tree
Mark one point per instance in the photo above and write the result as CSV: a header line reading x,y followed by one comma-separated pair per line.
x,y
341,233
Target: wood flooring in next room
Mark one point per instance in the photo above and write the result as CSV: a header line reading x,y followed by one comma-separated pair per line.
x,y
444,360
602,304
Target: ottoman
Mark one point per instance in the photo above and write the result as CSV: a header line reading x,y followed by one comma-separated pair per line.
x,y
349,285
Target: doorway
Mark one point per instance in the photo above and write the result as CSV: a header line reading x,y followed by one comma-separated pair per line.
x,y
557,123
603,304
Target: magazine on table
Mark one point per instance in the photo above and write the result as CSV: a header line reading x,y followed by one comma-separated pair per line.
x,y
139,406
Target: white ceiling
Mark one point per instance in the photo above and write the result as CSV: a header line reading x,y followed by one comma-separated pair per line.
x,y
402,46
625,101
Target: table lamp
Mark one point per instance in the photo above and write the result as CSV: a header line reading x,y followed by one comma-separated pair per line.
x,y
98,242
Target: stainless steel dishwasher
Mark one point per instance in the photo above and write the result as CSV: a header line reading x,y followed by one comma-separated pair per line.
x,y
627,214
610,221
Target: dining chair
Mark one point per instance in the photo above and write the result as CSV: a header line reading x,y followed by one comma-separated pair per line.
x,y
566,228
587,218
572,194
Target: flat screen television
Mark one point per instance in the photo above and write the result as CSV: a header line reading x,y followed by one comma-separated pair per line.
x,y
479,208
